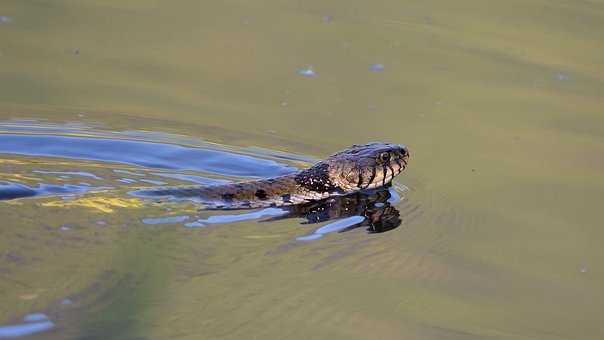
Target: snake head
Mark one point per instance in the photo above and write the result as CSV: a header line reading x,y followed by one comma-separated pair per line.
x,y
367,166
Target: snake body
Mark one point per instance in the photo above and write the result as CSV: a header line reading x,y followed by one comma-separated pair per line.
x,y
357,168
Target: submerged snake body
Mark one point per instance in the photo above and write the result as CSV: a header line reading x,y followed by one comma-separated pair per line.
x,y
358,168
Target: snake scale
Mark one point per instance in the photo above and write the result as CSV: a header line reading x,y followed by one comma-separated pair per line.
x,y
360,167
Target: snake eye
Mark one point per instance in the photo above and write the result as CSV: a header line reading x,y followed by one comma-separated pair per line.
x,y
384,157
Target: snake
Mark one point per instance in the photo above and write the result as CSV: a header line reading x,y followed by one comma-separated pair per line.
x,y
357,168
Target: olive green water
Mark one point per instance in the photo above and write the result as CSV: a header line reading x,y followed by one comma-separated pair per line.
x,y
500,103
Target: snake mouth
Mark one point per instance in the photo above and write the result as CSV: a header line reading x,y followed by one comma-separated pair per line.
x,y
404,163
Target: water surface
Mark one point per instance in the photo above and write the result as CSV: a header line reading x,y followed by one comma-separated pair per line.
x,y
500,103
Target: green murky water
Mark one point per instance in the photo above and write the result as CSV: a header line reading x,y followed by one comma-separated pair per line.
x,y
500,103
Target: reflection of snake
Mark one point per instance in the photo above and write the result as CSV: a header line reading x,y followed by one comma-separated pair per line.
x,y
374,205
358,168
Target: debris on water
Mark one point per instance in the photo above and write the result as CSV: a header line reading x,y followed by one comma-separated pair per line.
x,y
284,104
307,72
5,20
165,220
101,223
127,180
76,51
327,19
562,76
66,302
583,269
376,67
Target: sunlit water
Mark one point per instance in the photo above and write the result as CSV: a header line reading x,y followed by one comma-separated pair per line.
x,y
499,232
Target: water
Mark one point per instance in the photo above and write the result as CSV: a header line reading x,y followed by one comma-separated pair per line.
x,y
499,234
33,323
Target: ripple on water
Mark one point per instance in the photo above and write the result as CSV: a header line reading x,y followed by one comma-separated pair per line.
x,y
165,220
35,317
68,173
332,227
33,323
129,173
152,181
191,178
11,190
127,180
154,156
223,219
142,153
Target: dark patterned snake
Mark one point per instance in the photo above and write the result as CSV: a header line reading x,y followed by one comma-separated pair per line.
x,y
358,168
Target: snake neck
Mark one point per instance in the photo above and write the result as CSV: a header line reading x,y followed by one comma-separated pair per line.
x,y
301,187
